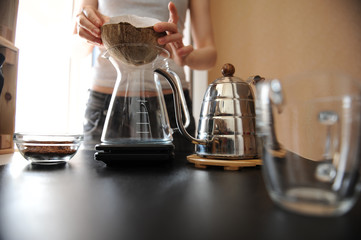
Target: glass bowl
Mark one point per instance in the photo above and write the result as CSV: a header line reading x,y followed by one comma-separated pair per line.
x,y
47,149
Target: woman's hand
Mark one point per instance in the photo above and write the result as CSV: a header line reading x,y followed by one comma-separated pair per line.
x,y
173,40
204,55
89,21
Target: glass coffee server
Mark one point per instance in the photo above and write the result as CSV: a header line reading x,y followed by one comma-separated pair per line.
x,y
137,125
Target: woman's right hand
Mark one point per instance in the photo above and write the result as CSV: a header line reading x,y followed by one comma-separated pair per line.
x,y
89,21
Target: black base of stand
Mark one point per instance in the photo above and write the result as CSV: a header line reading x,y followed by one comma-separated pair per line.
x,y
112,154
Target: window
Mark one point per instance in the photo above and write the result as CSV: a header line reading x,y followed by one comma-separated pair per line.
x,y
44,100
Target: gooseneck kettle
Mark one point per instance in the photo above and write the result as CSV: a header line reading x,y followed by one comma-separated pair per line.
x,y
227,128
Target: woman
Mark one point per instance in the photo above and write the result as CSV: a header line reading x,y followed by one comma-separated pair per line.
x,y
94,13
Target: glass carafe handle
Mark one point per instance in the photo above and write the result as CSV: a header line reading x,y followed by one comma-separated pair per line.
x,y
182,98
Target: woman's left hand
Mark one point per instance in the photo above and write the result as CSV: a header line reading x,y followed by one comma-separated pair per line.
x,y
174,39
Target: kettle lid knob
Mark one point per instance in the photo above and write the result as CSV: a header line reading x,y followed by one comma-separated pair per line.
x,y
228,70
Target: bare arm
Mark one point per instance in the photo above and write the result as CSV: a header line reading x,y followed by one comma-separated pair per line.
x,y
204,55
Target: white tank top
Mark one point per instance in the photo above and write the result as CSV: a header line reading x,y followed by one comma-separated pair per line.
x,y
103,72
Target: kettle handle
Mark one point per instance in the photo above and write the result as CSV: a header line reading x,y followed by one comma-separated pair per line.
x,y
177,97
255,79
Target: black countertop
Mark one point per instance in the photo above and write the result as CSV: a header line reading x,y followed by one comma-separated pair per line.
x,y
86,199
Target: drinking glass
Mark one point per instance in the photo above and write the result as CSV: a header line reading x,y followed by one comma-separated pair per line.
x,y
309,127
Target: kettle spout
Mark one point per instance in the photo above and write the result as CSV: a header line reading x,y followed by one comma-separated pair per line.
x,y
177,99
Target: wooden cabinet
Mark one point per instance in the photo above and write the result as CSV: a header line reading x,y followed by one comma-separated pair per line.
x,y
8,13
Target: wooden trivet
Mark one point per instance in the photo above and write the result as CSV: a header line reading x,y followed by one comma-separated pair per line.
x,y
201,162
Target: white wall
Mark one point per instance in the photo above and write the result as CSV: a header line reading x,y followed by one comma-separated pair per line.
x,y
199,87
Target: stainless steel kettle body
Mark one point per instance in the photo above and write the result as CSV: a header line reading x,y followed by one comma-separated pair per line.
x,y
227,128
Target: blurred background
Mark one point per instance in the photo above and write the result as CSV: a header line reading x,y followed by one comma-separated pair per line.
x,y
281,38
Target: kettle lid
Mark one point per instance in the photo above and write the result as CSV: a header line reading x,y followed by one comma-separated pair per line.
x,y
229,86
228,71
